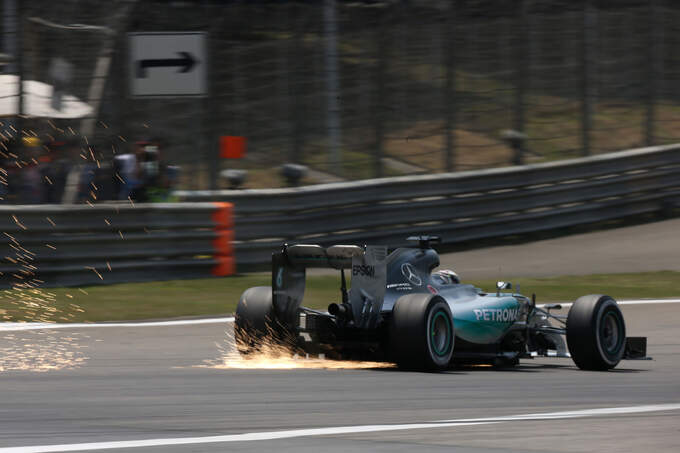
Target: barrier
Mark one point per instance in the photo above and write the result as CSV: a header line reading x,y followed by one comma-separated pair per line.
x,y
458,206
212,232
108,243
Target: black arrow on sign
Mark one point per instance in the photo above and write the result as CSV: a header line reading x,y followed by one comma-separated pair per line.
x,y
184,64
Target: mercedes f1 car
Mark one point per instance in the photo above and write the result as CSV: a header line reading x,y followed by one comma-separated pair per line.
x,y
400,309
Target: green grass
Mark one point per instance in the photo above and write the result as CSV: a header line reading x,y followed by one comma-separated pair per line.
x,y
620,286
130,301
218,296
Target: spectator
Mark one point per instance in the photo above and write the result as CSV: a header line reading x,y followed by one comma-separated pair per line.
x,y
153,175
125,171
30,188
56,169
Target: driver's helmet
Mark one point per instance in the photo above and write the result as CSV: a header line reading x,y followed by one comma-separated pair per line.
x,y
446,277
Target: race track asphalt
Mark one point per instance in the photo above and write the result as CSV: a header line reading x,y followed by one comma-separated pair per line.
x,y
640,248
142,383
149,383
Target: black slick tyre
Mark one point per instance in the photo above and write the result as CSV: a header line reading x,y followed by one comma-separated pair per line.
x,y
254,319
596,333
421,332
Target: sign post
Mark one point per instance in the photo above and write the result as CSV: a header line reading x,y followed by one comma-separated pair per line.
x,y
167,64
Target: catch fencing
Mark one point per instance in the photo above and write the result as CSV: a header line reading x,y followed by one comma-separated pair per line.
x,y
458,206
364,89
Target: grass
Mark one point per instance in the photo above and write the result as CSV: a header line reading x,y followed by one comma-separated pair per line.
x,y
205,297
423,145
620,286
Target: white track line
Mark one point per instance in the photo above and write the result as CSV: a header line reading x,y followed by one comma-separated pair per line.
x,y
627,302
648,301
576,414
16,326
13,326
273,435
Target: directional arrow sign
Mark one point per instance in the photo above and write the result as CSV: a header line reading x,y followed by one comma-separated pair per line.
x,y
183,64
167,64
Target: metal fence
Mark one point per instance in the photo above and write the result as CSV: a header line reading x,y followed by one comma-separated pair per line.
x,y
458,206
361,89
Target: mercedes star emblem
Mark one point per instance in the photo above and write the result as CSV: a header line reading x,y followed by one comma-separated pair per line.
x,y
410,274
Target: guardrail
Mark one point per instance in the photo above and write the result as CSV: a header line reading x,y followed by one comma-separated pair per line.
x,y
51,245
458,206
68,245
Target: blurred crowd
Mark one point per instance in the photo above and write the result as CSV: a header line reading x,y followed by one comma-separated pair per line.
x,y
69,170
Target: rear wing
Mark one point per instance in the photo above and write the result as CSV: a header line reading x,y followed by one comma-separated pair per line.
x,y
368,271
309,255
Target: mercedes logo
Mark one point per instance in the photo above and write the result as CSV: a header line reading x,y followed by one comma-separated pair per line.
x,y
410,273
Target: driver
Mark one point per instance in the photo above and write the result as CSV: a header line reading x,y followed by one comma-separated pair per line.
x,y
446,277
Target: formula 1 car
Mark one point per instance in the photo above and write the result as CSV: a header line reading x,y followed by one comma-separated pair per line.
x,y
399,309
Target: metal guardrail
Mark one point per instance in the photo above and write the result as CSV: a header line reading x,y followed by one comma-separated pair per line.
x,y
458,206
67,245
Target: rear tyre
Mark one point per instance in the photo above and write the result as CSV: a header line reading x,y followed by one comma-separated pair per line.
x,y
254,322
596,333
421,332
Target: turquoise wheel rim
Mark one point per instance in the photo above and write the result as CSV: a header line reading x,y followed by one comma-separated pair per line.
x,y
440,333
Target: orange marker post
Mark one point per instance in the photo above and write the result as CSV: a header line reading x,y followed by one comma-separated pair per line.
x,y
223,241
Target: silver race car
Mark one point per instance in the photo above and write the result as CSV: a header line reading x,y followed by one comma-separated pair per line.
x,y
400,308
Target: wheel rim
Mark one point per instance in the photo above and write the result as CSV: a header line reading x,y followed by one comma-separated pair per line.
x,y
611,333
440,333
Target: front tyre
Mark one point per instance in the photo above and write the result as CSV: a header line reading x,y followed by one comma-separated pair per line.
x,y
596,333
421,332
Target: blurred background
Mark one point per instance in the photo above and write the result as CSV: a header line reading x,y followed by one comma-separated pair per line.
x,y
348,89
129,130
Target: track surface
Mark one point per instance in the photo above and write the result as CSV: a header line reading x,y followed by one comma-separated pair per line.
x,y
143,383
640,248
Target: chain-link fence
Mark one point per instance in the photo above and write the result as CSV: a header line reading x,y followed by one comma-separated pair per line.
x,y
362,89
